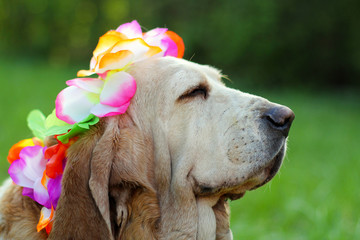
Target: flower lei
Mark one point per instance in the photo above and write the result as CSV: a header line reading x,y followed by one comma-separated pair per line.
x,y
37,168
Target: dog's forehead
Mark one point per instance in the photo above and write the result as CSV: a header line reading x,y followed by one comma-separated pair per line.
x,y
192,68
174,70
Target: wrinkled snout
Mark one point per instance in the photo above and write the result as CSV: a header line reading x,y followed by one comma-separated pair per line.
x,y
279,118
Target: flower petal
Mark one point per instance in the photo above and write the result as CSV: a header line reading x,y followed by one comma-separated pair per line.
x,y
155,37
40,194
119,88
93,85
103,75
138,47
46,216
56,155
171,47
131,29
54,189
107,41
34,162
85,73
102,110
93,62
16,148
116,60
16,173
28,192
179,45
74,104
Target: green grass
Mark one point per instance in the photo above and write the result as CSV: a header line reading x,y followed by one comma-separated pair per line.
x,y
315,195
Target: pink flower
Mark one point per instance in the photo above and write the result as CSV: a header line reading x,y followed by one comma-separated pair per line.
x,y
102,98
29,171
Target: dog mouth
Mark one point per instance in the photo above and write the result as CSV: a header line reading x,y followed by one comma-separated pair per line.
x,y
272,169
252,182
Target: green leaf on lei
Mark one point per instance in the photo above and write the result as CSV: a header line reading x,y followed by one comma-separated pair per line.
x,y
42,127
52,120
36,123
55,126
79,128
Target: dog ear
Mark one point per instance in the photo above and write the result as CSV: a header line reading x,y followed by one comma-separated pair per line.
x,y
179,216
77,216
104,155
102,170
121,163
222,212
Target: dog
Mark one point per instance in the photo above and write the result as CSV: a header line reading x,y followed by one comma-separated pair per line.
x,y
164,169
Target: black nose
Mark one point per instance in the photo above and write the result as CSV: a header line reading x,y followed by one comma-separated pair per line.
x,y
280,119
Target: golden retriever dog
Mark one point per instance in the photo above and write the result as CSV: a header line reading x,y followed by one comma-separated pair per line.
x,y
164,169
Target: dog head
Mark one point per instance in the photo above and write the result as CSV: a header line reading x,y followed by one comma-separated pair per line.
x,y
165,168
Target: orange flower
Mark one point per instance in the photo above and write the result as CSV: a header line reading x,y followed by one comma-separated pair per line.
x,y
15,150
127,44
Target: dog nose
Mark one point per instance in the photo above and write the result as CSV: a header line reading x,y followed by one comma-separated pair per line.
x,y
280,119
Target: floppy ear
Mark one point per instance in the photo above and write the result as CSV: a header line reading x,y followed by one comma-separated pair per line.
x,y
121,163
104,155
102,171
77,216
179,214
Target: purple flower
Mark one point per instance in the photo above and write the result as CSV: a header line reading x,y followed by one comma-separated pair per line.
x,y
29,172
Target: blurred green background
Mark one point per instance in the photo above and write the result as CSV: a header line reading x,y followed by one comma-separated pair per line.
x,y
303,54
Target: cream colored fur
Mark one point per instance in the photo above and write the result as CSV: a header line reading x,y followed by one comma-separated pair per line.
x,y
165,168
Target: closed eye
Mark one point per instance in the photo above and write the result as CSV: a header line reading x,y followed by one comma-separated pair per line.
x,y
199,91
